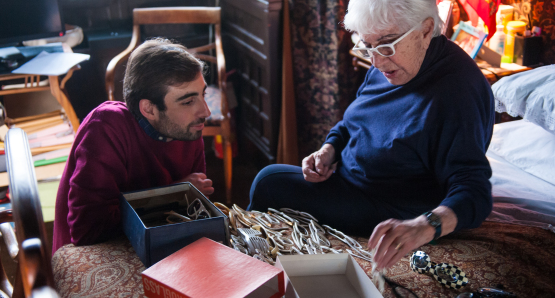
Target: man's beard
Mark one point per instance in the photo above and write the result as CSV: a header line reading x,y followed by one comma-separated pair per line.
x,y
172,130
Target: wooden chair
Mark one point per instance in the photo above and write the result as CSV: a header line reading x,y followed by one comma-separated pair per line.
x,y
219,122
28,247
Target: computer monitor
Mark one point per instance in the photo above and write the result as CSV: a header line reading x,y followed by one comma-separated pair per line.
x,y
22,20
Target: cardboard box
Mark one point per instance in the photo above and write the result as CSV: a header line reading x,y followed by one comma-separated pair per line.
x,y
153,243
329,275
208,269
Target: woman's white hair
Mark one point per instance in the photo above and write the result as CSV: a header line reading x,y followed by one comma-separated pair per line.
x,y
369,16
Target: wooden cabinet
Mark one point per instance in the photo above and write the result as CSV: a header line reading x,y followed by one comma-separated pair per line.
x,y
252,45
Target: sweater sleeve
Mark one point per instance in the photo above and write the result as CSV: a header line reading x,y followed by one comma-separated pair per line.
x,y
338,137
93,198
457,140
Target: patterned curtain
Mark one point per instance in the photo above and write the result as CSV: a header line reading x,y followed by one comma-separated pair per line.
x,y
324,78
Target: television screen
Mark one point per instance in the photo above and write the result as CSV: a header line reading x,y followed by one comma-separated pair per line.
x,y
29,19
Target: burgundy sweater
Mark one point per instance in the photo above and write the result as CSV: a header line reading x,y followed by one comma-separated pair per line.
x,y
113,154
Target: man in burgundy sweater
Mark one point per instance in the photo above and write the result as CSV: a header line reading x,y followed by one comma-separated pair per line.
x,y
153,139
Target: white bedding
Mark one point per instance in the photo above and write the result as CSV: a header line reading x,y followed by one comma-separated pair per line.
x,y
511,184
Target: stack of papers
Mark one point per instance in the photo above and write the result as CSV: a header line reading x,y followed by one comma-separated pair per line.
x,y
51,64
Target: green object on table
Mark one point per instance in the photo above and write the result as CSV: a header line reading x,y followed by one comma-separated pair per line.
x,y
47,195
44,162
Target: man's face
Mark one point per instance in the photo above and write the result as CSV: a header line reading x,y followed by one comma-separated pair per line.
x,y
403,66
185,111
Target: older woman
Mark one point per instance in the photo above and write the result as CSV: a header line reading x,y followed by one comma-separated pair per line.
x,y
407,163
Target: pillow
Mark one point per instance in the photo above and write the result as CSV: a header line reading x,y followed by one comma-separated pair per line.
x,y
527,146
530,95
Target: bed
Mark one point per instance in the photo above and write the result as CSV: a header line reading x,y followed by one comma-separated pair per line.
x,y
514,249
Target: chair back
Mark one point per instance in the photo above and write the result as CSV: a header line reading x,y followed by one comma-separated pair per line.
x,y
174,15
35,278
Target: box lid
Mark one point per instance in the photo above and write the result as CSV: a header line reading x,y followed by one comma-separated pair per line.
x,y
329,275
208,269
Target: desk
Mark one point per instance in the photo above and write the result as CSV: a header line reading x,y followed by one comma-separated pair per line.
x,y
492,74
55,85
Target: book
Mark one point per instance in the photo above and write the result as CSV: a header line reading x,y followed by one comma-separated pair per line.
x,y
34,117
44,172
44,162
51,141
52,154
58,130
39,150
209,269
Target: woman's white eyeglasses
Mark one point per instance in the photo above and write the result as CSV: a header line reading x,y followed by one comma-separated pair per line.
x,y
386,50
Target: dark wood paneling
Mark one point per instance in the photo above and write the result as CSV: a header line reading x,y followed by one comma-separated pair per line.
x,y
252,32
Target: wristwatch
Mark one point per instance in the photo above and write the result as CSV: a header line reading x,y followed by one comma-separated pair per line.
x,y
435,221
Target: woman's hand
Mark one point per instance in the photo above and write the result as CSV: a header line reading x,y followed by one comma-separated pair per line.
x,y
201,182
394,238
319,166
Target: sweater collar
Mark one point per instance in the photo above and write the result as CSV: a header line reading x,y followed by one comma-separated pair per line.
x,y
152,132
437,44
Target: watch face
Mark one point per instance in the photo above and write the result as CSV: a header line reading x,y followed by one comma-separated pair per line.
x,y
433,219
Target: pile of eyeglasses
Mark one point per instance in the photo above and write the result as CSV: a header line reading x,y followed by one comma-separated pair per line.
x,y
195,210
174,212
286,231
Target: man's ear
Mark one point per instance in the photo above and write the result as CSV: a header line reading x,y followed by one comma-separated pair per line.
x,y
148,109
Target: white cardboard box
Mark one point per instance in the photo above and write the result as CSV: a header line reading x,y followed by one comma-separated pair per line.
x,y
330,275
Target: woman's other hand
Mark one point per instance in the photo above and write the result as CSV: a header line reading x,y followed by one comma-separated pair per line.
x,y
319,166
394,238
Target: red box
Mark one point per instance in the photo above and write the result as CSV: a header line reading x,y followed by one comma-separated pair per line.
x,y
206,269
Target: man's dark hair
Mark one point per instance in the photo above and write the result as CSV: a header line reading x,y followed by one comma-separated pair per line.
x,y
152,68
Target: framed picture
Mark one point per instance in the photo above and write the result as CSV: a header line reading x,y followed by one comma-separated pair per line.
x,y
469,38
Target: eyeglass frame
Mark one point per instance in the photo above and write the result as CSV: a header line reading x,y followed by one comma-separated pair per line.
x,y
389,45
202,209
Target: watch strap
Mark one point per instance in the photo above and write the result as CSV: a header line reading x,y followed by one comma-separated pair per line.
x,y
434,223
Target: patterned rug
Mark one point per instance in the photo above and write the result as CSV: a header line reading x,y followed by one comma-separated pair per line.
x,y
520,259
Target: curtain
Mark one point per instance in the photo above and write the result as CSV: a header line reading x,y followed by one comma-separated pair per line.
x,y
324,81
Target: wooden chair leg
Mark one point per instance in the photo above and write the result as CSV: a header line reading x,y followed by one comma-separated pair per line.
x,y
228,167
18,291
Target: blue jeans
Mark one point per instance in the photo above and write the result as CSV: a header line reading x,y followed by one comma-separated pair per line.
x,y
333,202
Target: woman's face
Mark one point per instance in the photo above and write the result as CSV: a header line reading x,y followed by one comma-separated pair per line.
x,y
403,66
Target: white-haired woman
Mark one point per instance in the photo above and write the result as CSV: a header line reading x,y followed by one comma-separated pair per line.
x,y
407,163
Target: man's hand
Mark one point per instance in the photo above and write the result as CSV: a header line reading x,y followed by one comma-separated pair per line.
x,y
394,238
318,166
201,182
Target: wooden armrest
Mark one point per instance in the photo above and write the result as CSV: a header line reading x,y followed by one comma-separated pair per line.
x,y
10,240
111,69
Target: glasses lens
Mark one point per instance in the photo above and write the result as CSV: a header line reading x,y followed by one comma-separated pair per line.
x,y
420,260
364,53
446,275
203,214
386,51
